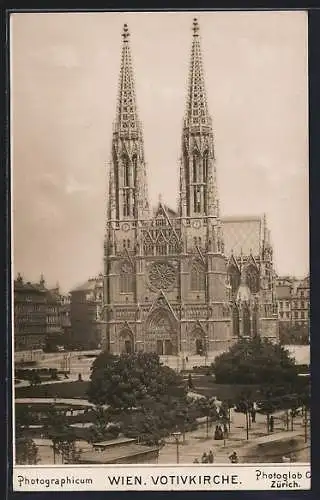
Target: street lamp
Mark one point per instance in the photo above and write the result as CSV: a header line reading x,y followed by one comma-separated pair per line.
x,y
177,435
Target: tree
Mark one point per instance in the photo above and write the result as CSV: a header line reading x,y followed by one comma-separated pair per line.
x,y
26,451
256,361
62,435
130,380
102,428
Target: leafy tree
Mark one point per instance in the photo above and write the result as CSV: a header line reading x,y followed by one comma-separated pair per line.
x,y
294,334
26,451
256,361
62,435
130,380
102,428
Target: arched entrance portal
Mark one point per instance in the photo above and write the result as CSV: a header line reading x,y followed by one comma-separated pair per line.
x,y
162,333
199,342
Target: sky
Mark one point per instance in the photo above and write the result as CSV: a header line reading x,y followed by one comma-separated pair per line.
x,y
64,78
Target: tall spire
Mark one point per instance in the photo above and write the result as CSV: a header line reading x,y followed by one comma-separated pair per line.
x,y
128,192
198,186
197,106
127,117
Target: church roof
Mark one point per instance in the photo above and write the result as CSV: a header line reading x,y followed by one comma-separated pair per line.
x,y
242,235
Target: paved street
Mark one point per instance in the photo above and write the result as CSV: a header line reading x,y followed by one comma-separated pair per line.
x,y
196,442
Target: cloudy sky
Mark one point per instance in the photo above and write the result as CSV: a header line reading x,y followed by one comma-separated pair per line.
x,y
64,75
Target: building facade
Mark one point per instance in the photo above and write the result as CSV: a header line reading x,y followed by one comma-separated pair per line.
x,y
293,298
186,280
30,315
85,313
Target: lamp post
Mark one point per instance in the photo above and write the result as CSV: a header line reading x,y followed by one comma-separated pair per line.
x,y
177,435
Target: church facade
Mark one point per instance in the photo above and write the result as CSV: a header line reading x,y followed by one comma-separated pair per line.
x,y
184,281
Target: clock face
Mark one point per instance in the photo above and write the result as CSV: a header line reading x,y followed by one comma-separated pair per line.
x,y
125,226
196,224
162,275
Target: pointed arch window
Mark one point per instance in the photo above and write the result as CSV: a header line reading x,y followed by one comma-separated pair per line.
x,y
173,246
126,278
205,166
161,246
234,277
126,202
195,166
252,278
235,321
197,199
126,171
148,246
246,321
198,277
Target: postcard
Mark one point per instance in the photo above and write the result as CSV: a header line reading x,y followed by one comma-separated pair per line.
x,y
160,283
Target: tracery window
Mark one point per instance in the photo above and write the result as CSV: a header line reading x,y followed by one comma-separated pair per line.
x,y
234,276
246,322
205,166
252,279
126,202
195,166
126,278
235,321
126,171
197,199
148,246
198,277
161,246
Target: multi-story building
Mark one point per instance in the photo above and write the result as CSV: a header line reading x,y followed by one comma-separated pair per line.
x,y
185,280
293,298
30,315
85,314
284,293
301,302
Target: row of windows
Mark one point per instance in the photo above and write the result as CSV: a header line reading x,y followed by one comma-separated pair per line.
x,y
161,248
300,305
296,304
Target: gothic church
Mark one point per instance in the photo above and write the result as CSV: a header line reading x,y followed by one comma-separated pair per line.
x,y
187,281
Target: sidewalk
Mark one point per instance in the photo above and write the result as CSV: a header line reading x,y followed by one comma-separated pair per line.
x,y
196,443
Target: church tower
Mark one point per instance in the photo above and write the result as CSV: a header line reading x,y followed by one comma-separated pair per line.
x,y
127,182
199,211
128,203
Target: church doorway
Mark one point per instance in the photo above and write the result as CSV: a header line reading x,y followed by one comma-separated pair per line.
x,y
126,342
162,333
199,347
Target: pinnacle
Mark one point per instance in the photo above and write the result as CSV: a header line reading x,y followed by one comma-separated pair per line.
x,y
197,113
126,119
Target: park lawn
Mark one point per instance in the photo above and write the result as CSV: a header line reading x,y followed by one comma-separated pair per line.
x,y
63,390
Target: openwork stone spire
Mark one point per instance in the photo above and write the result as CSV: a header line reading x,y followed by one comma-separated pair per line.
x,y
128,192
197,107
127,117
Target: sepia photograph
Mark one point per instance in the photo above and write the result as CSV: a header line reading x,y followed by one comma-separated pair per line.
x,y
160,236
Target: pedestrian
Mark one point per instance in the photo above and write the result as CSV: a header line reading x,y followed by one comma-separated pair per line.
x,y
204,458
225,430
253,415
210,457
196,461
271,423
234,459
187,359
